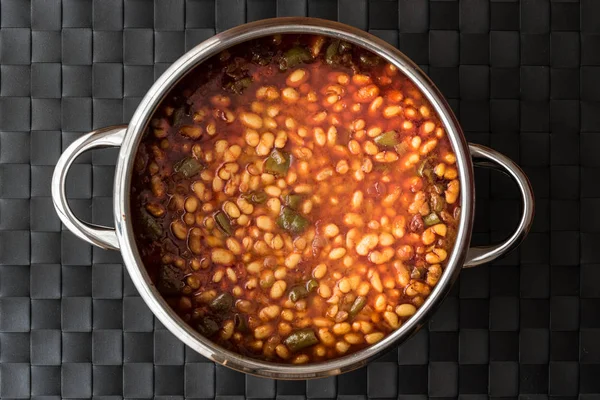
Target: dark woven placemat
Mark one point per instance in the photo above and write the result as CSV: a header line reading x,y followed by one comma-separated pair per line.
x,y
523,77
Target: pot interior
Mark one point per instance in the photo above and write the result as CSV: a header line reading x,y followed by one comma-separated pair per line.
x,y
180,75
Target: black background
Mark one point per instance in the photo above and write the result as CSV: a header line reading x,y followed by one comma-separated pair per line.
x,y
523,77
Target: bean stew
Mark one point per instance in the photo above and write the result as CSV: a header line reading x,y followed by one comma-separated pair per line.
x,y
295,199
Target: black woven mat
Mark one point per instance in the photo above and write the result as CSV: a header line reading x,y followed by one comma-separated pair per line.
x,y
523,77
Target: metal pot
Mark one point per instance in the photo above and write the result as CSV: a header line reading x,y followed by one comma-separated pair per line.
x,y
127,137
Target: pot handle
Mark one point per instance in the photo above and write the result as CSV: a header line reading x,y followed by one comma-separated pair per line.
x,y
488,158
100,236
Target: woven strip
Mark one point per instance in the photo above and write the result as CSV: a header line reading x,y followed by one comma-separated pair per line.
x,y
523,77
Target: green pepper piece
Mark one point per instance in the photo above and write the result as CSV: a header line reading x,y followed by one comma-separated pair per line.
x,y
297,293
151,225
240,85
262,60
255,197
293,200
261,55
223,223
431,219
207,327
278,163
332,52
188,167
387,139
357,306
222,303
312,285
300,339
425,170
294,57
237,68
436,202
369,60
299,224
291,221
170,280
439,188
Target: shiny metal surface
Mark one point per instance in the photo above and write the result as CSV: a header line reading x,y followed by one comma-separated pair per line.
x,y
124,231
100,236
488,158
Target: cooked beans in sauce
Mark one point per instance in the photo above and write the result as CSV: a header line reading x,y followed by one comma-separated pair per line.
x,y
295,199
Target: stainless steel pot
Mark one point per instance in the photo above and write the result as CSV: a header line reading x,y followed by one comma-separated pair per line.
x,y
127,137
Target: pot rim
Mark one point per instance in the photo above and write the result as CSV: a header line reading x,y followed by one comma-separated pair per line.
x,y
137,125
